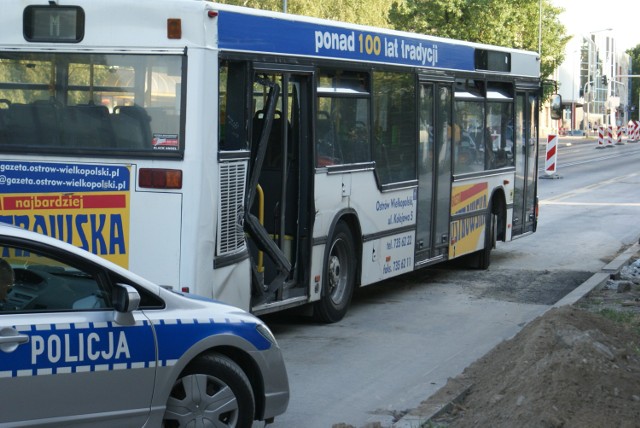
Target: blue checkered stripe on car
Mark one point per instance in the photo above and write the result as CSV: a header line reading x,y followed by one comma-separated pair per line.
x,y
107,346
79,347
175,337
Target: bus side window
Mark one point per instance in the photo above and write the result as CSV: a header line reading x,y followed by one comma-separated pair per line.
x,y
35,124
273,156
88,125
232,125
163,120
4,110
328,152
395,127
132,127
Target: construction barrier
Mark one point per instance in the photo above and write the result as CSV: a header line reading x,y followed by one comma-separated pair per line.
x,y
552,155
633,131
600,137
609,136
619,132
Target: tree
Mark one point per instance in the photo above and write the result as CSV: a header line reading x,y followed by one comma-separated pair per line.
x,y
509,23
634,53
365,12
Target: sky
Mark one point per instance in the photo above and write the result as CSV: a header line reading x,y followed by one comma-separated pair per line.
x,y
585,16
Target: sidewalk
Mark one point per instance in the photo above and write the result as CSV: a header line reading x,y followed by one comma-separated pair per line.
x,y
572,139
456,389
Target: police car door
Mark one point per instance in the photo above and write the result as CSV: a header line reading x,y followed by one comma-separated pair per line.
x,y
62,356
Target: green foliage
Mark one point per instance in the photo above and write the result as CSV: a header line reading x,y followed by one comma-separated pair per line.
x,y
628,318
365,12
635,81
34,76
509,23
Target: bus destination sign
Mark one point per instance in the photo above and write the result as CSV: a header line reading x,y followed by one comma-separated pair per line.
x,y
63,24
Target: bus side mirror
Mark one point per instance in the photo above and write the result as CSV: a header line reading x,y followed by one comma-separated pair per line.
x,y
556,107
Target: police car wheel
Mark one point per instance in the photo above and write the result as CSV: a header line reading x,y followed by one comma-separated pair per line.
x,y
212,391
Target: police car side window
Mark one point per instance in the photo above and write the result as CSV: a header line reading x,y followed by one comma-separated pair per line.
x,y
36,282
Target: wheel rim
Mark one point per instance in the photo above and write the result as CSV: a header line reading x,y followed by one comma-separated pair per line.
x,y
338,271
202,401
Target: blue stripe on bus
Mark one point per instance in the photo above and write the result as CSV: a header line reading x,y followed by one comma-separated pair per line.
x,y
241,32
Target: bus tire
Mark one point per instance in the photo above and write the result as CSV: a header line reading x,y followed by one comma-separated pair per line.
x,y
338,278
490,239
211,389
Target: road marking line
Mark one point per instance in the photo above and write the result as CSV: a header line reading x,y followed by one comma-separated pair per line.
x,y
589,188
595,204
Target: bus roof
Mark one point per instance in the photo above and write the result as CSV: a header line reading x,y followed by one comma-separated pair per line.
x,y
142,25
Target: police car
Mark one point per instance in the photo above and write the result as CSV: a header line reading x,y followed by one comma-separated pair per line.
x,y
84,342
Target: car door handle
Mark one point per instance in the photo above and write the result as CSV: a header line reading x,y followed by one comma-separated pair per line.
x,y
10,339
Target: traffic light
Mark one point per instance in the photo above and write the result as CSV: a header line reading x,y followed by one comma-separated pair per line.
x,y
604,80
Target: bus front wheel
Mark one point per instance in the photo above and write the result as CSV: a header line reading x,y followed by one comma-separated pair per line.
x,y
339,277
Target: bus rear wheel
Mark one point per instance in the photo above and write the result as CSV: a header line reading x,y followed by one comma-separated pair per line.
x,y
490,240
338,278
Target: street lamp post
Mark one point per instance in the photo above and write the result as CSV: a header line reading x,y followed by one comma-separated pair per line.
x,y
585,118
540,28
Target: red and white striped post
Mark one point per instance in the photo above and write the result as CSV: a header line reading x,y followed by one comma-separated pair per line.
x,y
609,136
551,159
619,136
634,131
600,137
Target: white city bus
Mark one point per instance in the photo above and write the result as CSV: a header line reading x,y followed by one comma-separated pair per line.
x,y
263,159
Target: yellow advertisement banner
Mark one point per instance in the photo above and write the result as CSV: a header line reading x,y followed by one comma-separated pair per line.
x,y
466,233
85,205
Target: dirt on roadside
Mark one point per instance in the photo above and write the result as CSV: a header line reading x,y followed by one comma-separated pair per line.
x,y
571,367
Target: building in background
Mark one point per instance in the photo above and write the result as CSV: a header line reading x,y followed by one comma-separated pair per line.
x,y
594,85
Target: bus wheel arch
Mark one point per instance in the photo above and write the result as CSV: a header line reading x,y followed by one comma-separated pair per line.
x,y
498,207
341,269
495,229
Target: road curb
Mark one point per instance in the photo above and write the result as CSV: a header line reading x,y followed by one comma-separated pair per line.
x,y
438,404
599,278
443,400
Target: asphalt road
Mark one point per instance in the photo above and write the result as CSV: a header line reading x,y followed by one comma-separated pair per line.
x,y
403,338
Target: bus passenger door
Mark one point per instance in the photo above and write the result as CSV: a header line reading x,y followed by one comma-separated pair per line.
x,y
278,220
434,173
526,155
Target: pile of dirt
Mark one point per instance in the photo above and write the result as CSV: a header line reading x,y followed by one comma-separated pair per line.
x,y
571,367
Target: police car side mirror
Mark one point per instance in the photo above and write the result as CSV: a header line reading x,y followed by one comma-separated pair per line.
x,y
125,299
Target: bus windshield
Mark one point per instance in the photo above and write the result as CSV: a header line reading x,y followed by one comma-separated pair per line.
x,y
90,102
